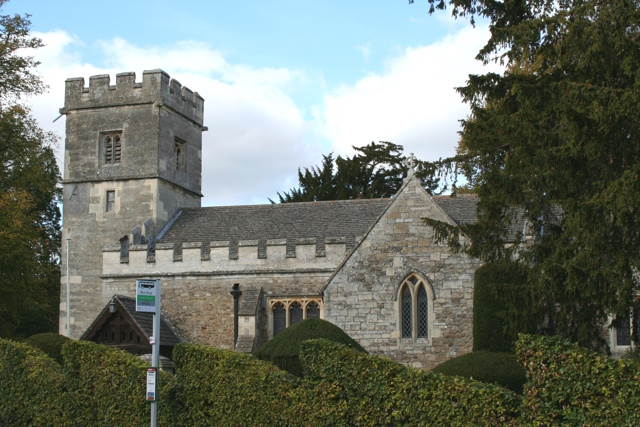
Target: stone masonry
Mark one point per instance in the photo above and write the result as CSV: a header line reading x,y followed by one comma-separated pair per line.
x,y
362,297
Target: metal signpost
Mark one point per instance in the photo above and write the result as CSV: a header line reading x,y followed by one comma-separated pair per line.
x,y
148,300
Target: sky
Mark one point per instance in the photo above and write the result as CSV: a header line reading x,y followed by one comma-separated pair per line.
x,y
284,82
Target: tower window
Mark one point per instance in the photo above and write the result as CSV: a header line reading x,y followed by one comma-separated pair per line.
x,y
112,148
180,154
111,201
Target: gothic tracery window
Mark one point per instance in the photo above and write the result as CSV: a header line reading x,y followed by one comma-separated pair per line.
x,y
295,313
313,310
415,308
286,312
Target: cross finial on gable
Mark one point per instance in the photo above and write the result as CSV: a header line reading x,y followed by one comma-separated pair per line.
x,y
410,163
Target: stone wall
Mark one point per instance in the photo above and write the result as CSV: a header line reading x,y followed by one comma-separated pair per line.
x,y
362,297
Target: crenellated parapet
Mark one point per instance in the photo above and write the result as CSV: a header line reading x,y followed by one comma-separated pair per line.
x,y
157,87
240,256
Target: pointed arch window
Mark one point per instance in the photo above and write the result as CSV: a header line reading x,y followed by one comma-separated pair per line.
x,y
279,318
313,310
415,308
407,312
295,313
423,312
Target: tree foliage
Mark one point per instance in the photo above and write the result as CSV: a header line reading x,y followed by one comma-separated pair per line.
x,y
554,139
29,194
376,170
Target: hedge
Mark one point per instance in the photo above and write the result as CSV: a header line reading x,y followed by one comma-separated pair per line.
x,y
355,389
570,385
50,343
31,386
102,386
108,387
284,349
488,367
224,388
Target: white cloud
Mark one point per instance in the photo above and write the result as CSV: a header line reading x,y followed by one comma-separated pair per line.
x,y
258,136
413,103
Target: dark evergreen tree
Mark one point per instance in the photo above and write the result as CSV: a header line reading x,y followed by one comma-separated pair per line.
x,y
555,139
376,170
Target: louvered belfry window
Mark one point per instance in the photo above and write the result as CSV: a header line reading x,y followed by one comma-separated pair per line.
x,y
112,144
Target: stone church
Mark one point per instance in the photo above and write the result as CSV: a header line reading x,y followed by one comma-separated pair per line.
x,y
131,203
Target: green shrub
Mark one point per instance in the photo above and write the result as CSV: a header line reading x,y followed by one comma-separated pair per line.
x,y
107,386
224,388
284,349
50,343
500,305
570,385
488,367
31,386
355,389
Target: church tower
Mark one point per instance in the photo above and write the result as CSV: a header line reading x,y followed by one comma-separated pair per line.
x,y
133,157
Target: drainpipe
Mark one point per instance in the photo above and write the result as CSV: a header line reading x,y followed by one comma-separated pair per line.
x,y
236,292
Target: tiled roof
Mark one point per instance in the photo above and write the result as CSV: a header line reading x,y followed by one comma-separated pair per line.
x,y
145,320
275,221
462,209
339,218
169,335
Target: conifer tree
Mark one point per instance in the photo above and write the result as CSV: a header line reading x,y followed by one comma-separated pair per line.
x,y
555,138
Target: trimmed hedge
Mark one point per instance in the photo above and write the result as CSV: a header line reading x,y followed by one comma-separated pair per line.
x,y
498,289
50,343
488,367
570,385
108,386
355,389
284,349
224,388
31,386
102,386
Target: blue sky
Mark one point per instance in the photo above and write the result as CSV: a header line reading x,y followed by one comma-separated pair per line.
x,y
283,81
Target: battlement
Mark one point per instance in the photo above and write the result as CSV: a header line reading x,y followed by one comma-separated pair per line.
x,y
243,256
157,87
